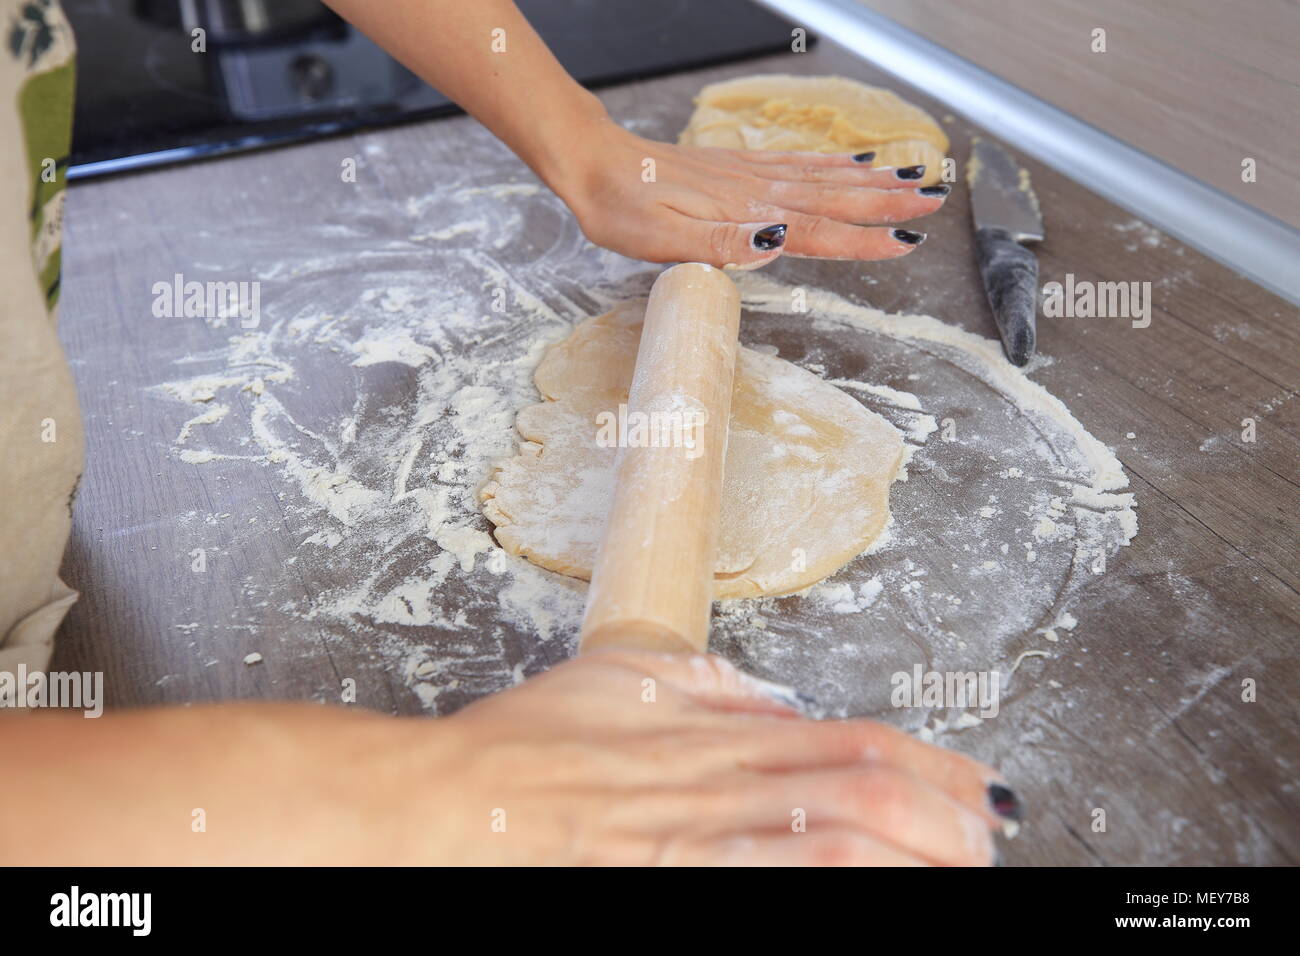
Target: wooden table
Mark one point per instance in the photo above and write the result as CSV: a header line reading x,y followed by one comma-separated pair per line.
x,y
1204,598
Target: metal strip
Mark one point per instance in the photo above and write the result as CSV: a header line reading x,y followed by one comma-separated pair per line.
x,y
1260,247
126,164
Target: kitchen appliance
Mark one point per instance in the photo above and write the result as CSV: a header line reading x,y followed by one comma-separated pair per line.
x,y
279,71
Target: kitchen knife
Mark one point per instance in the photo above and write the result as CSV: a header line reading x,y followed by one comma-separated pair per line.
x,y
1006,214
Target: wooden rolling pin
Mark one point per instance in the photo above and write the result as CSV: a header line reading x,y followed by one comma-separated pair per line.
x,y
652,584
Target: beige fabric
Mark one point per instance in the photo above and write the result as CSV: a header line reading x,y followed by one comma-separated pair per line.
x,y
37,398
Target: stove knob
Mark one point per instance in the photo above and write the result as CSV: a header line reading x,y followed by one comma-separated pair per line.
x,y
311,76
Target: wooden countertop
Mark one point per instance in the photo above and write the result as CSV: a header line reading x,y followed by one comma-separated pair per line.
x,y
1204,598
1193,82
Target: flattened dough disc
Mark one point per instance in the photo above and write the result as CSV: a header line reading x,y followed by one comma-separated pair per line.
x,y
824,114
806,486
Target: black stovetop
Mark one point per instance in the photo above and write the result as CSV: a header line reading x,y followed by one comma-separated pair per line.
x,y
279,71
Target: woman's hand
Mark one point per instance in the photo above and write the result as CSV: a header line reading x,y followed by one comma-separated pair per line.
x,y
613,758
631,758
723,207
665,203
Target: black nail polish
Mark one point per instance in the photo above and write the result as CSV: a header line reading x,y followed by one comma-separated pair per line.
x,y
807,701
806,704
910,172
933,191
864,157
793,698
908,236
809,705
1005,803
772,237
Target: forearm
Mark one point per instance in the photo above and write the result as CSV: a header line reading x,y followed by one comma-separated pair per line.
x,y
234,783
487,58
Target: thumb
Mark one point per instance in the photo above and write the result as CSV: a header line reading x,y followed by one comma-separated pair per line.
x,y
715,683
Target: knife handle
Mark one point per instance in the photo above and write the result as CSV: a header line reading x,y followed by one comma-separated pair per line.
x,y
1010,273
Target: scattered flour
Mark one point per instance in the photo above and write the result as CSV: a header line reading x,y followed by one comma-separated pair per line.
x,y
989,542
213,415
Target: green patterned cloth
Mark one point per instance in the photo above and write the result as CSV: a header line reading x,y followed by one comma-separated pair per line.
x,y
41,445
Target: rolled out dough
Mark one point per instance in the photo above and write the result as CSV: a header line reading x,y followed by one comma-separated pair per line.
x,y
807,472
824,114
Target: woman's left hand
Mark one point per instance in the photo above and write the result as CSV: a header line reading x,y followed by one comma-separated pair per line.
x,y
666,203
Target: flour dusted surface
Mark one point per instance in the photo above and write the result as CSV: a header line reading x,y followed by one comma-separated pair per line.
x,y
376,486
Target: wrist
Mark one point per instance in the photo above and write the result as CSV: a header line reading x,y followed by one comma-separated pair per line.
x,y
412,789
572,145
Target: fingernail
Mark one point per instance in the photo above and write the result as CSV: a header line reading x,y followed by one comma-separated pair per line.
x,y
934,190
908,236
864,157
769,238
784,694
1005,803
798,700
910,172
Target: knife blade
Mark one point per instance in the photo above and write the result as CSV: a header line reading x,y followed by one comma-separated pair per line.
x,y
1006,214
